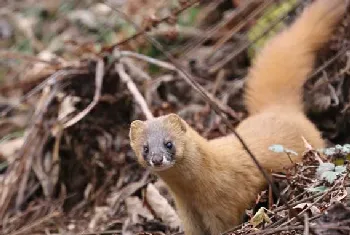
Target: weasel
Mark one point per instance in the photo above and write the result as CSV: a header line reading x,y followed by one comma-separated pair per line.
x,y
214,181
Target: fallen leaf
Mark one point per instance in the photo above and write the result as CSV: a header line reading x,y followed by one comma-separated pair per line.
x,y
302,206
161,207
260,217
8,148
136,209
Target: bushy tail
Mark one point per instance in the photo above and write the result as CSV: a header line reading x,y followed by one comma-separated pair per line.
x,y
281,68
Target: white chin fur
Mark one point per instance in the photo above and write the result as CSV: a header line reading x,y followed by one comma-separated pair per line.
x,y
165,165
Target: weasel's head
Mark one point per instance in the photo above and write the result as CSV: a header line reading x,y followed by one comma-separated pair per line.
x,y
160,142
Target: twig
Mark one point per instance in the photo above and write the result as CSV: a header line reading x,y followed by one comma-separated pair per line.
x,y
26,229
213,30
346,68
218,81
60,74
104,232
314,202
33,144
238,27
151,60
235,53
144,31
134,91
135,70
300,227
98,83
327,63
192,46
222,107
14,183
306,225
29,58
298,202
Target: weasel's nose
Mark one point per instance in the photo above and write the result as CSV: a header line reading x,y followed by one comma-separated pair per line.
x,y
157,159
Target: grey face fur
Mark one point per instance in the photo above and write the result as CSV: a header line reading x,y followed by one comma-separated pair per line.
x,y
158,149
160,142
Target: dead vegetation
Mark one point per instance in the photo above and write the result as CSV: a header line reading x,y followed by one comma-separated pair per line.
x,y
75,74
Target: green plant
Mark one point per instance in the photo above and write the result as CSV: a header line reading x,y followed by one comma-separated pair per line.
x,y
329,171
277,148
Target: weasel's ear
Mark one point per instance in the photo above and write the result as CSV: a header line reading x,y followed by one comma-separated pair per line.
x,y
136,127
176,122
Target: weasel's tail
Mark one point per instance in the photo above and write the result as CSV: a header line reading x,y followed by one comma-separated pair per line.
x,y
281,68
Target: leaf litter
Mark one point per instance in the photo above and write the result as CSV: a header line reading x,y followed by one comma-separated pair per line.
x,y
69,91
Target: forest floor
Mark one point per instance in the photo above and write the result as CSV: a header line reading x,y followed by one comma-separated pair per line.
x,y
74,74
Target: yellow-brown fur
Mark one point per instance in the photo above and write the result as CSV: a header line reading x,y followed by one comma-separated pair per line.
x,y
214,181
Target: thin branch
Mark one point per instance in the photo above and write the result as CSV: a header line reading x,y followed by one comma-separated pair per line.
x,y
98,83
144,31
60,74
214,30
327,63
36,223
301,227
222,107
34,141
236,29
314,202
306,225
134,91
151,60
235,53
28,58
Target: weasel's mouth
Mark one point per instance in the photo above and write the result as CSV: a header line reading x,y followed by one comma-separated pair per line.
x,y
160,163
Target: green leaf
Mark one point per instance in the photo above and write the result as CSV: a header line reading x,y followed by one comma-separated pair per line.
x,y
277,148
340,169
346,148
338,146
323,167
330,176
317,189
329,151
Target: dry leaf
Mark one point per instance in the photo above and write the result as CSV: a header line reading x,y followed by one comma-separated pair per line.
x,y
260,217
161,207
9,148
84,17
100,215
67,106
116,198
136,209
339,195
314,210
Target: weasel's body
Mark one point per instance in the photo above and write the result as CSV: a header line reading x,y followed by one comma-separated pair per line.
x,y
214,181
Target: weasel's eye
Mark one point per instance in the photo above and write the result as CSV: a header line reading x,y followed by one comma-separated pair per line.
x,y
145,149
168,145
